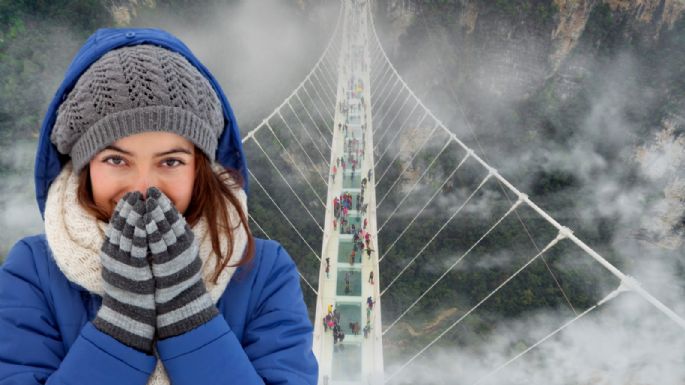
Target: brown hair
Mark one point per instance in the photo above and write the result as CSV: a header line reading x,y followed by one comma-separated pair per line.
x,y
210,192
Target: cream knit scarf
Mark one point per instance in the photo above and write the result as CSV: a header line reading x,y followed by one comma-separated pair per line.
x,y
75,237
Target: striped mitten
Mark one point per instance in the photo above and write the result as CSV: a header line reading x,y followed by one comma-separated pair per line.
x,y
181,297
128,305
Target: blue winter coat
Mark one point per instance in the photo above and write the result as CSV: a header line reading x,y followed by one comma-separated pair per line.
x,y
263,334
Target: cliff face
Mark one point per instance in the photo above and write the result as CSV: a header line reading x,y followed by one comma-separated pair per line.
x,y
538,35
558,81
512,51
648,17
572,17
125,11
660,12
664,157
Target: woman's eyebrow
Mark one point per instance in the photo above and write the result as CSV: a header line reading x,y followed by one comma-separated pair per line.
x,y
174,150
115,148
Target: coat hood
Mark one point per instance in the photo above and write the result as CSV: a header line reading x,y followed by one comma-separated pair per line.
x,y
49,161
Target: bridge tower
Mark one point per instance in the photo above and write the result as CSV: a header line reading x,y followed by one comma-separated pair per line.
x,y
349,276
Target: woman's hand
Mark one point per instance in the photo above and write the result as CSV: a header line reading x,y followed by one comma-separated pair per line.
x,y
181,298
128,305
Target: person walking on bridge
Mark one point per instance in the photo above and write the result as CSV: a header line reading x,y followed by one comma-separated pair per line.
x,y
336,206
347,282
328,267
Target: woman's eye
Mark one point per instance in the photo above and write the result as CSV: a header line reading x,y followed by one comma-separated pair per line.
x,y
114,160
172,162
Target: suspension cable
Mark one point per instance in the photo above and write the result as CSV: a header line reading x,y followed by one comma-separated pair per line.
x,y
550,245
388,71
399,151
268,237
386,110
283,214
249,216
399,111
380,73
397,206
397,154
325,84
299,169
512,208
387,192
383,92
504,191
323,119
387,128
444,146
604,300
304,127
313,121
320,98
325,97
329,71
316,65
292,133
287,183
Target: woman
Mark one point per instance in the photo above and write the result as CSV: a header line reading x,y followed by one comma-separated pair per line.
x,y
147,271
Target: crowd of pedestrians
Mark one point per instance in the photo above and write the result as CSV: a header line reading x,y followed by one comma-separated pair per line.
x,y
350,216
332,322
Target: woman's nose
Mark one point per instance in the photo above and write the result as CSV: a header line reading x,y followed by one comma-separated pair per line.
x,y
143,181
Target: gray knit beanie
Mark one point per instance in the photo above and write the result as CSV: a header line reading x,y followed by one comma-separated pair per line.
x,y
132,90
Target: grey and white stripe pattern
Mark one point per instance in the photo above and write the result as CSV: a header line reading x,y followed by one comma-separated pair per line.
x,y
181,298
128,306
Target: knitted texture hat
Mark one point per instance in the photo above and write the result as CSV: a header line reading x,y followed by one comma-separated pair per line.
x,y
132,90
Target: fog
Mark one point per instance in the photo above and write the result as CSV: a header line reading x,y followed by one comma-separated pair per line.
x,y
623,170
625,342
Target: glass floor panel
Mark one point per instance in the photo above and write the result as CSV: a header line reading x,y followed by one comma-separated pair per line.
x,y
354,277
347,362
349,313
344,250
351,220
354,119
352,181
349,161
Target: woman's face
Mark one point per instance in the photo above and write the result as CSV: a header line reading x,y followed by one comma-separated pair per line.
x,y
136,162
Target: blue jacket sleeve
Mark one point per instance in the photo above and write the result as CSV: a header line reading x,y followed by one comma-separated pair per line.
x,y
276,347
31,346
